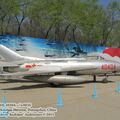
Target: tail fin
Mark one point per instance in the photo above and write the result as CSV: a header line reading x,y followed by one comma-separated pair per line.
x,y
9,55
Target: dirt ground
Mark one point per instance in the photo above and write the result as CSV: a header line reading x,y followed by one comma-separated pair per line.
x,y
77,99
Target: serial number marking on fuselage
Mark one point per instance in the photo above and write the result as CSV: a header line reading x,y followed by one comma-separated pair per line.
x,y
108,67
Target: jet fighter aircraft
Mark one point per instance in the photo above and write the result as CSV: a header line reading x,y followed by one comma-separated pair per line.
x,y
50,71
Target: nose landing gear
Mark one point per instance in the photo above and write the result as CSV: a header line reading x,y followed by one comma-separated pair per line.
x,y
94,78
105,80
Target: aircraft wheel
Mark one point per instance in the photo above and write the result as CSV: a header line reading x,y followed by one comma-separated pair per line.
x,y
105,80
55,85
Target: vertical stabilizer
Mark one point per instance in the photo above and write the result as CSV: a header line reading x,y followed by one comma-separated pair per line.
x,y
9,55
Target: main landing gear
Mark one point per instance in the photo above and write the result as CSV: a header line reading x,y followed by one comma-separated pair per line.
x,y
55,84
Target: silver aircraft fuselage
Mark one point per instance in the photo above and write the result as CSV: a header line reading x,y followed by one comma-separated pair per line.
x,y
80,67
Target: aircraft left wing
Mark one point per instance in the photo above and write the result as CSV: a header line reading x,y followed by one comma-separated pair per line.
x,y
46,70
6,64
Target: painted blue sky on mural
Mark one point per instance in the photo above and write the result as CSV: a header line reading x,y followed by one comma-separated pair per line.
x,y
19,43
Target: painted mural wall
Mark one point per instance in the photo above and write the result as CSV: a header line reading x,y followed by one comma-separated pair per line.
x,y
45,48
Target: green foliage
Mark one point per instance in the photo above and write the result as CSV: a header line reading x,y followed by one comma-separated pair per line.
x,y
7,7
83,21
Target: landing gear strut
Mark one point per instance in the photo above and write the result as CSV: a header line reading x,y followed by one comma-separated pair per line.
x,y
94,78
